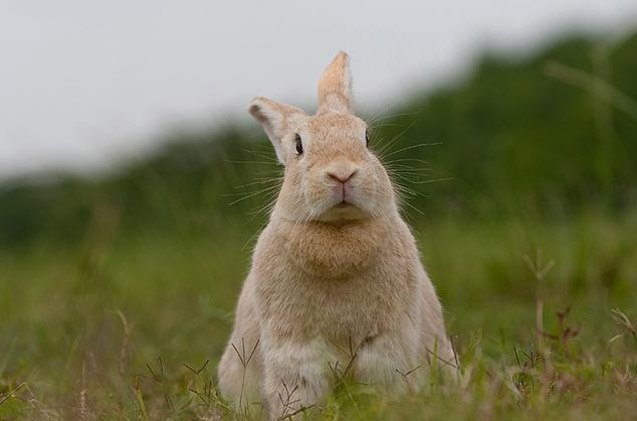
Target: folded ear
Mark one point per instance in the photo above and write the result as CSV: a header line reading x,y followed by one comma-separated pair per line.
x,y
277,120
335,86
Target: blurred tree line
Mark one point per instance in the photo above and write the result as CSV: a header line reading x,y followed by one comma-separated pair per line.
x,y
548,135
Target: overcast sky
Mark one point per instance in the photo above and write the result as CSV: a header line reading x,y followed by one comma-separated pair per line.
x,y
83,83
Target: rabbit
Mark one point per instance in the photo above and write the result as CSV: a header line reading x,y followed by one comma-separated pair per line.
x,y
336,287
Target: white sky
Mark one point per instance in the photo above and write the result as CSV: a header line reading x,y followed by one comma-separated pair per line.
x,y
84,83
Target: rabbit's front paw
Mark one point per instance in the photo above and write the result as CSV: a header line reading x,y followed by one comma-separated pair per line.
x,y
295,378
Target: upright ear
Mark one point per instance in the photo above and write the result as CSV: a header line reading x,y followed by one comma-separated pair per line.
x,y
277,120
335,86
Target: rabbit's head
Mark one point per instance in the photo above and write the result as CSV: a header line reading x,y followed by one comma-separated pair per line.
x,y
330,172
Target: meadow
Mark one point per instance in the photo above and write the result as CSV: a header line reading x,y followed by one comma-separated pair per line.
x,y
134,329
117,293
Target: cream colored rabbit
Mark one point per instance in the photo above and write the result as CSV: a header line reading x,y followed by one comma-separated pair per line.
x,y
336,285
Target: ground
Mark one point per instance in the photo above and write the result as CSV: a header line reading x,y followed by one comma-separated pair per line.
x,y
541,312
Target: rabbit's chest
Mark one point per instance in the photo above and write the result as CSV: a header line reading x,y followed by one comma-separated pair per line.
x,y
335,288
346,308
339,310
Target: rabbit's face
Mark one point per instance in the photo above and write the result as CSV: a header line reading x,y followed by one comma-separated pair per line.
x,y
331,174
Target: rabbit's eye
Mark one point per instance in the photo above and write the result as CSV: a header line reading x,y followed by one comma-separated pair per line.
x,y
367,138
299,144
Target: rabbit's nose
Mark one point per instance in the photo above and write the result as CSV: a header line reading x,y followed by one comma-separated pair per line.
x,y
342,175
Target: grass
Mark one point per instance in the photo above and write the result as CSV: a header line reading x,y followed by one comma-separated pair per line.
x,y
132,326
543,313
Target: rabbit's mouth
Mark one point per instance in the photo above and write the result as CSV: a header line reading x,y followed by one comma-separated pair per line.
x,y
343,211
341,202
346,205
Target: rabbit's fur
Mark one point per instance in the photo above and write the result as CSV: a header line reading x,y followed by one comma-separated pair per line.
x,y
336,286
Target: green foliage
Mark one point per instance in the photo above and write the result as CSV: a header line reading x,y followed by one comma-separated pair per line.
x,y
515,136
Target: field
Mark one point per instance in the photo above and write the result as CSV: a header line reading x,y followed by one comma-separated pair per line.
x,y
134,327
520,182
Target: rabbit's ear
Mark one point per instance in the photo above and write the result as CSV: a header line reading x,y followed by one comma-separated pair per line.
x,y
277,120
335,86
